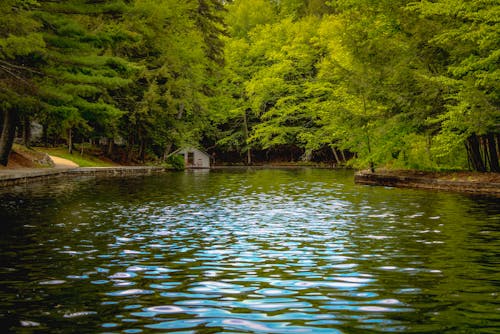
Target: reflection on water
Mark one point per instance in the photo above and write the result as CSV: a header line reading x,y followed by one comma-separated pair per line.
x,y
271,251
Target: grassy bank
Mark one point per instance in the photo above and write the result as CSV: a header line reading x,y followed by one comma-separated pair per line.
x,y
82,160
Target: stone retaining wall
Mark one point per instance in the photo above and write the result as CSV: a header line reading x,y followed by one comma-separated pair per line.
x,y
15,177
426,183
23,176
117,171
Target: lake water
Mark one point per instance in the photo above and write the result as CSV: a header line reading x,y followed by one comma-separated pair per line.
x,y
269,251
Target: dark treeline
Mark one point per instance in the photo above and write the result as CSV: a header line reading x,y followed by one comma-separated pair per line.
x,y
403,84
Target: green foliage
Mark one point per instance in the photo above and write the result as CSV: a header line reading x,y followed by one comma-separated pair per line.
x,y
395,83
244,15
176,162
140,70
389,83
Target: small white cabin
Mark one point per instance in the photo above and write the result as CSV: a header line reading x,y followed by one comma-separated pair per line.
x,y
194,158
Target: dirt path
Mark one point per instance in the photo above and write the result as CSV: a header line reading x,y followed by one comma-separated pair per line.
x,y
62,163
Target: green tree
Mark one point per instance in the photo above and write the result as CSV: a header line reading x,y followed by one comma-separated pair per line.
x,y
388,71
80,75
20,48
178,50
233,117
470,34
244,15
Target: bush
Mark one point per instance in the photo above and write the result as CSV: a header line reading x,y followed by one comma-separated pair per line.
x,y
176,162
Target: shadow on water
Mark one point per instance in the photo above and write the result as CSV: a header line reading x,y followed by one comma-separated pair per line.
x,y
271,251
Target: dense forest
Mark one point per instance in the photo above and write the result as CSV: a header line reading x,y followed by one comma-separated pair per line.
x,y
364,83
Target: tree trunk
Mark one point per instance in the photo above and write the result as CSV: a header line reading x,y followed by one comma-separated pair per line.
x,y
81,148
180,112
483,145
372,164
493,154
474,153
142,150
336,156
166,152
130,148
70,140
249,156
367,134
26,131
45,135
343,156
245,131
8,132
111,143
428,147
497,145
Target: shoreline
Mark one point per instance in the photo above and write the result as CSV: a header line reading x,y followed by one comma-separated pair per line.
x,y
463,182
18,176
12,177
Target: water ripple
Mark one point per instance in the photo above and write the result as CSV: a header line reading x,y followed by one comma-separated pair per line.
x,y
302,251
